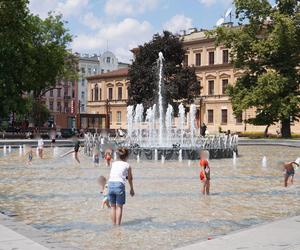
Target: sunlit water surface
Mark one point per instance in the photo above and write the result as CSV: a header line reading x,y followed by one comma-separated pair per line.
x,y
61,197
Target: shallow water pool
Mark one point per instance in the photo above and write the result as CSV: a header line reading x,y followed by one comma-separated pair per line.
x,y
61,197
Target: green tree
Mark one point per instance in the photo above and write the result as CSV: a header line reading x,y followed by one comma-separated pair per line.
x,y
266,46
180,83
34,55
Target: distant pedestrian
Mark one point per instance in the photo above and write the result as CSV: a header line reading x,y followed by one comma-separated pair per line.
x,y
203,128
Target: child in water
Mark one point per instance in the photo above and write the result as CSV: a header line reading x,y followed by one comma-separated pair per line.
x,y
30,156
289,172
76,150
104,191
205,171
108,157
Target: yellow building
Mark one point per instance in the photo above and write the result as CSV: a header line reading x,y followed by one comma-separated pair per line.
x,y
215,73
107,97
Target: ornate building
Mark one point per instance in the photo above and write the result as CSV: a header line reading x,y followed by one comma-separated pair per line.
x,y
215,73
107,97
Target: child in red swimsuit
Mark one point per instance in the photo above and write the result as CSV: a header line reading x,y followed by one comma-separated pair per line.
x,y
205,171
108,157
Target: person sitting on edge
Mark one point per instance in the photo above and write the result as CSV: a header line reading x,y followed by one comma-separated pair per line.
x,y
120,170
289,172
205,171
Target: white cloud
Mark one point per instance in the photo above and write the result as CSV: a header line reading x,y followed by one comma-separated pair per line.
x,y
121,37
71,7
42,9
91,21
129,7
211,2
178,23
65,7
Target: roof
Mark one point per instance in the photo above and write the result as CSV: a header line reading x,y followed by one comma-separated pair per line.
x,y
123,72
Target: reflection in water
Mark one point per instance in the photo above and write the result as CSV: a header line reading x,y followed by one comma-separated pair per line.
x,y
60,197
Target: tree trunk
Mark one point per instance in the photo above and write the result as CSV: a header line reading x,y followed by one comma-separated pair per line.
x,y
286,128
266,131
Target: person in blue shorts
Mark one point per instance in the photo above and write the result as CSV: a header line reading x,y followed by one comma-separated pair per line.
x,y
119,173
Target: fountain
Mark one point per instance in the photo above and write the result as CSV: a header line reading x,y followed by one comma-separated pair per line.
x,y
264,162
162,135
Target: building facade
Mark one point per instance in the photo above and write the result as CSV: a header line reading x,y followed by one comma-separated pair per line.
x,y
90,65
215,72
62,104
107,100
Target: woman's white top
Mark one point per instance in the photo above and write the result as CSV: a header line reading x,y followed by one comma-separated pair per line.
x,y
119,171
40,143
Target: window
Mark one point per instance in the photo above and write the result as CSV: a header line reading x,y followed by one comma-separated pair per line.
x,y
82,108
186,60
89,71
66,105
210,116
110,93
92,95
94,71
211,58
120,93
96,92
198,59
102,71
58,107
100,94
107,59
73,93
82,82
110,118
239,118
225,56
224,86
224,116
51,93
83,70
51,105
58,92
211,87
119,117
82,94
66,91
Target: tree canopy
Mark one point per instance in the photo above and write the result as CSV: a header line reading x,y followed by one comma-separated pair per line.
x,y
33,55
266,47
180,83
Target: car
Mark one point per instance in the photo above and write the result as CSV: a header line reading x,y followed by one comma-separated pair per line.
x,y
67,132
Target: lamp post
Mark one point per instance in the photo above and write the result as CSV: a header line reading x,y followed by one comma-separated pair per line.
x,y
107,120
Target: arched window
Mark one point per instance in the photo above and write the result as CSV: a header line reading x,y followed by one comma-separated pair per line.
x,y
92,94
96,92
100,94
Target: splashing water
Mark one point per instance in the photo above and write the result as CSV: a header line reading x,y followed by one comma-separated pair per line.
x,y
264,162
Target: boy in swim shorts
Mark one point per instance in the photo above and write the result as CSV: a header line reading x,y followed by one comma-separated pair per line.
x,y
289,172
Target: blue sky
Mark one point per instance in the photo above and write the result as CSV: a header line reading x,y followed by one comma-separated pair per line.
x,y
123,24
